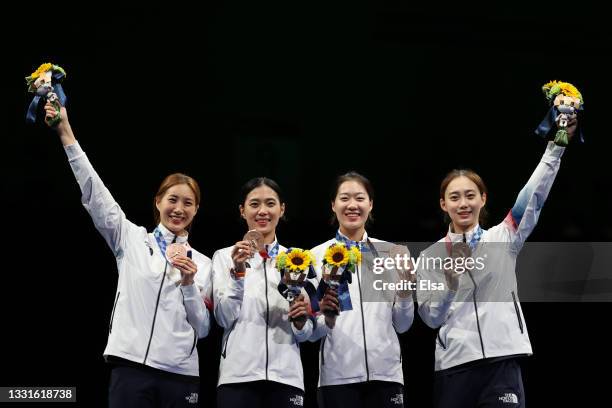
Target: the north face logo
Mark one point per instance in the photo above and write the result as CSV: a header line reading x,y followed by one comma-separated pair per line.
x,y
193,398
298,400
509,398
398,399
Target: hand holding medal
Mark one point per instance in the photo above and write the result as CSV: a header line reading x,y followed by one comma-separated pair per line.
x,y
256,241
174,250
180,257
458,250
253,241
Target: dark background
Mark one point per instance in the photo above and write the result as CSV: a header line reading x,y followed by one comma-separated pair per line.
x,y
300,93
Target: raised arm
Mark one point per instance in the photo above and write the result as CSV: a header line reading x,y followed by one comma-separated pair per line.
x,y
106,214
524,215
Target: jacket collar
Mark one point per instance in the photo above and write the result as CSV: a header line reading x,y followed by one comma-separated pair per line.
x,y
340,237
472,235
169,235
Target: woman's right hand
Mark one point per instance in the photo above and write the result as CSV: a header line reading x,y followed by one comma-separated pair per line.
x,y
458,250
572,124
63,126
240,253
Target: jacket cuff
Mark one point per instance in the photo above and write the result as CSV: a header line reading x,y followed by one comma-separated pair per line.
x,y
304,333
403,303
190,291
319,324
449,296
236,285
554,151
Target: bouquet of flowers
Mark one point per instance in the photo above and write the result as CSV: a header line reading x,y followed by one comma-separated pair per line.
x,y
45,83
295,265
337,260
565,101
339,263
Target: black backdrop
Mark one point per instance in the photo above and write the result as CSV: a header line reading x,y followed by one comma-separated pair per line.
x,y
300,93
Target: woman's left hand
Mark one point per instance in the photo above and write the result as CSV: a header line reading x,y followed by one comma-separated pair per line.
x,y
187,267
298,308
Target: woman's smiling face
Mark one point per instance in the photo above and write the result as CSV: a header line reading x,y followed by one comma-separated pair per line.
x,y
352,205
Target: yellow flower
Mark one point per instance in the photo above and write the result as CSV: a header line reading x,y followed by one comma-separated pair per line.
x,y
337,255
297,260
355,255
41,70
554,88
568,89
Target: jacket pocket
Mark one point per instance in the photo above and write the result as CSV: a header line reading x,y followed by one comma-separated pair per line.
x,y
518,312
195,341
440,339
224,352
110,325
399,344
323,350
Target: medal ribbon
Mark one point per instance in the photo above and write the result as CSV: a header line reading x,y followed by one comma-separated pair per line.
x,y
161,242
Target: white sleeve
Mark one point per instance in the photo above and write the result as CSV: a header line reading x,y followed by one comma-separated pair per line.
x,y
434,310
526,210
403,314
106,214
305,333
320,329
197,314
227,291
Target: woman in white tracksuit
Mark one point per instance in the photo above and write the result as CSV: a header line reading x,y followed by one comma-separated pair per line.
x,y
481,328
159,311
260,355
360,362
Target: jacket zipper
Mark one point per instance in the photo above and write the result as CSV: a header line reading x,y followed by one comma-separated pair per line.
x,y
267,315
476,311
365,346
161,285
476,306
518,312
110,326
